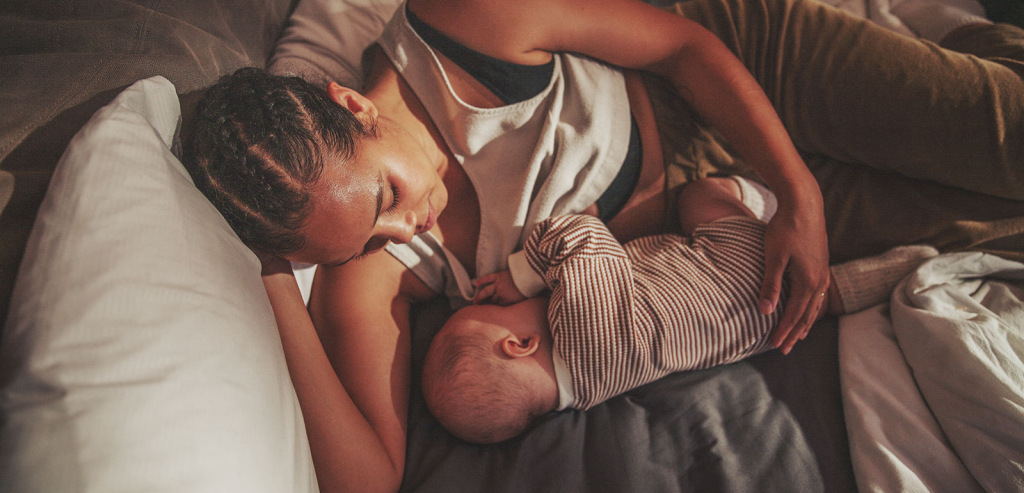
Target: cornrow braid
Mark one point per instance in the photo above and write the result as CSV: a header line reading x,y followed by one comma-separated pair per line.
x,y
257,145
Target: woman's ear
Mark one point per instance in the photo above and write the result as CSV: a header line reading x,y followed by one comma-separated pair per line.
x,y
358,104
514,347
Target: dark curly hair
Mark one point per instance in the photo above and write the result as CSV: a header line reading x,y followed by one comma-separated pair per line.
x,y
256,146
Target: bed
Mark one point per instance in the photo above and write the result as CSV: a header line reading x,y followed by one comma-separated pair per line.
x,y
139,351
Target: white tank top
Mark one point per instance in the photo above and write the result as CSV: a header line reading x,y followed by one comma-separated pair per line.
x,y
552,154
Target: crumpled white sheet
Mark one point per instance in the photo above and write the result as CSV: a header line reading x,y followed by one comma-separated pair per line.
x,y
933,383
876,11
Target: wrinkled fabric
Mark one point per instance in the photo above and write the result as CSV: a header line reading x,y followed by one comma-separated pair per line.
x,y
933,382
960,323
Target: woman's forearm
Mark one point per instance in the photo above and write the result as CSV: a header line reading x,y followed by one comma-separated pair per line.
x,y
348,453
724,92
796,244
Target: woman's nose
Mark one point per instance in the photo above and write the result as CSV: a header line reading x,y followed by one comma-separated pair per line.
x,y
401,228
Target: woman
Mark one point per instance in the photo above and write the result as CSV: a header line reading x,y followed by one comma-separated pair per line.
x,y
396,160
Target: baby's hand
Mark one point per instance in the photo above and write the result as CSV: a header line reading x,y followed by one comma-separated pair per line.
x,y
497,288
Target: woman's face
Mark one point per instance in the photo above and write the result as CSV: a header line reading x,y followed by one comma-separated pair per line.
x,y
387,192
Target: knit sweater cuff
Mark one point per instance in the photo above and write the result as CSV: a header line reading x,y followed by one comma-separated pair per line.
x,y
529,282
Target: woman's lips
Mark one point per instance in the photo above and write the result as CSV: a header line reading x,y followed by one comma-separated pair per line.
x,y
431,220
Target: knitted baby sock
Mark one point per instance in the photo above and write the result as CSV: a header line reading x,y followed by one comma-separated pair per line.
x,y
934,19
869,281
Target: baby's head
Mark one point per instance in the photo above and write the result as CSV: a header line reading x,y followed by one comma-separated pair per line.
x,y
488,373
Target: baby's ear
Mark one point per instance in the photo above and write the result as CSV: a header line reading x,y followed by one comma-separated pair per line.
x,y
515,347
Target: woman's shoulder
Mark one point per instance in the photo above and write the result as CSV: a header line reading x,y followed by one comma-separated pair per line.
x,y
627,33
510,31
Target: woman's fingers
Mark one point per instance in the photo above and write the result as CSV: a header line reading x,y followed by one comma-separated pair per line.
x,y
776,265
796,249
789,329
792,313
806,300
818,310
803,306
775,269
800,314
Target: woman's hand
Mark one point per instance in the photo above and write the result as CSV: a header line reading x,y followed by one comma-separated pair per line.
x,y
796,246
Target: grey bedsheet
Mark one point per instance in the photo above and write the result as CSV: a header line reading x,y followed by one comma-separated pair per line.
x,y
770,423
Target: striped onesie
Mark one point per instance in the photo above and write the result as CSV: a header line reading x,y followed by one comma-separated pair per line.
x,y
622,316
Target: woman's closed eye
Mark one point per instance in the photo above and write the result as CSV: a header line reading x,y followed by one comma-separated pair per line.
x,y
394,201
379,242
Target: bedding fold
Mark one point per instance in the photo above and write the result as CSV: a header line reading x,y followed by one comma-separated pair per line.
x,y
933,383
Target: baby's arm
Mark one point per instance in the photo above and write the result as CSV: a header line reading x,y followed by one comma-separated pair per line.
x,y
537,267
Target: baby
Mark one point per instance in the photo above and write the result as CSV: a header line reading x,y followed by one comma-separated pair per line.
x,y
618,316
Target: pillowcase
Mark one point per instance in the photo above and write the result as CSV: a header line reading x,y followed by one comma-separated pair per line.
x,y
325,39
141,352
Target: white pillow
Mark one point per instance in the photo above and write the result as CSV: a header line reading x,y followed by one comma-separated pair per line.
x,y
141,353
326,39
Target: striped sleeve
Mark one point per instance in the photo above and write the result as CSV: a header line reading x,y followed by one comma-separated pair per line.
x,y
558,242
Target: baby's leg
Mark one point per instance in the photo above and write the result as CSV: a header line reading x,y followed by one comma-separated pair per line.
x,y
710,199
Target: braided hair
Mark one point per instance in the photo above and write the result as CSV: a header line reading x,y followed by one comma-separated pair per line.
x,y
257,146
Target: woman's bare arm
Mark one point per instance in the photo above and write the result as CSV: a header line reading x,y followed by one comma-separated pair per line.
x,y
632,34
354,394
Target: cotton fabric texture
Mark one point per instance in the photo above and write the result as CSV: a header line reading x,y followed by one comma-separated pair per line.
x,y
141,352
